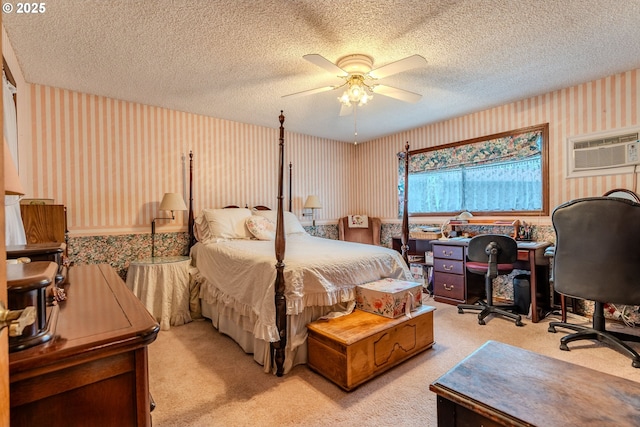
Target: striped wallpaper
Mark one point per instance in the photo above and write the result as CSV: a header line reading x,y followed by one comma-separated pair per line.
x,y
110,161
601,105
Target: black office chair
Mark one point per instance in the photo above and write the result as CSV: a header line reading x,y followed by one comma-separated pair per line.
x,y
491,255
597,258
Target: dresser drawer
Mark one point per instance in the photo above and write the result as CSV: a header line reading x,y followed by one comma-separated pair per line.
x,y
448,252
448,266
449,286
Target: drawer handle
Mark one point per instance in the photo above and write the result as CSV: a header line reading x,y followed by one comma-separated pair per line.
x,y
448,287
447,253
447,268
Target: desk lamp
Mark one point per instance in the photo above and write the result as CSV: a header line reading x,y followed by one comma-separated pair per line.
x,y
170,202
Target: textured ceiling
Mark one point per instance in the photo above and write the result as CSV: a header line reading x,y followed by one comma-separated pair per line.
x,y
234,59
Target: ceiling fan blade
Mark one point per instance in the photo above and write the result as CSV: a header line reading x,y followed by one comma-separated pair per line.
x,y
408,63
310,91
346,110
401,94
323,62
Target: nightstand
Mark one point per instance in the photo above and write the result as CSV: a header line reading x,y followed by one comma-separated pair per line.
x,y
162,284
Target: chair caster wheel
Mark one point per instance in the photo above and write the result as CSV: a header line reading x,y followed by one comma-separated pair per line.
x,y
552,329
635,363
460,311
564,347
519,323
481,322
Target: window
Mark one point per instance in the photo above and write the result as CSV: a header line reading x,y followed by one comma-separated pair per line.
x,y
501,174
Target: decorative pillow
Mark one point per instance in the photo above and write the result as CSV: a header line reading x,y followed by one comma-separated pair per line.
x,y
262,228
291,223
227,223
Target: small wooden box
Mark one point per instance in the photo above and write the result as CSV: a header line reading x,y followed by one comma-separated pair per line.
x,y
352,349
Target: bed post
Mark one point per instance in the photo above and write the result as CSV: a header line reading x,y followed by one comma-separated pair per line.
x,y
404,238
190,221
278,348
290,174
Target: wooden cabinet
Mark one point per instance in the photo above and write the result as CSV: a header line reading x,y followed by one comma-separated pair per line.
x,y
44,223
94,371
450,281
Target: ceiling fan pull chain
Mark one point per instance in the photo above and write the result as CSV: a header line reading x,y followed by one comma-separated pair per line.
x,y
355,124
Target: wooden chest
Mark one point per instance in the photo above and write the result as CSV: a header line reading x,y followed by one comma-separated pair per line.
x,y
352,349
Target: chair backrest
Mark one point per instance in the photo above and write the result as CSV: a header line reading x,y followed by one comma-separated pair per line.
x,y
507,248
623,193
369,235
597,255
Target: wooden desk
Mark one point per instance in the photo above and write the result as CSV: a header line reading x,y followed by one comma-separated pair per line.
x,y
501,385
530,257
94,370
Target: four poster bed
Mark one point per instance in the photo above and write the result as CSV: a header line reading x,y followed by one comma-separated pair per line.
x,y
266,309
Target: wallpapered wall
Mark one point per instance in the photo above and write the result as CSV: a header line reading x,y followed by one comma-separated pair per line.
x,y
109,161
605,104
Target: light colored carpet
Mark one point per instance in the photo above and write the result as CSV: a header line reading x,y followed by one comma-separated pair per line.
x,y
199,377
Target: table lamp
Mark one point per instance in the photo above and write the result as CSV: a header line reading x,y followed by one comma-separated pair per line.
x,y
312,203
170,202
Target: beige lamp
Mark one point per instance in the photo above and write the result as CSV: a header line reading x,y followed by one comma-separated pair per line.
x,y
312,203
170,202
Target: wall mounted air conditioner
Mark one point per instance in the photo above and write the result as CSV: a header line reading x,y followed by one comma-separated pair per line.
x,y
603,154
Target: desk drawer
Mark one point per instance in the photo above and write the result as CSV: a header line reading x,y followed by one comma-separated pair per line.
x,y
449,286
449,252
448,266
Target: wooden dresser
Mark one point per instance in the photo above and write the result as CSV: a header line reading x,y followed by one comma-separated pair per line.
x,y
94,371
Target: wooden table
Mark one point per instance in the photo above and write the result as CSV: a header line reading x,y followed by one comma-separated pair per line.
x,y
502,385
94,371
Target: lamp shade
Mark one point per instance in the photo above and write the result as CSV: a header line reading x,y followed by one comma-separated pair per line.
x,y
312,202
12,184
172,202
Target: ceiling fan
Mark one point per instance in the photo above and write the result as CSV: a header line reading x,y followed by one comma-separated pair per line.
x,y
360,79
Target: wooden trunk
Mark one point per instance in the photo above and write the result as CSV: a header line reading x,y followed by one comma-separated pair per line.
x,y
352,349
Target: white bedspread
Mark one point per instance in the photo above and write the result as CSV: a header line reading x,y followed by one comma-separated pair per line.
x,y
318,272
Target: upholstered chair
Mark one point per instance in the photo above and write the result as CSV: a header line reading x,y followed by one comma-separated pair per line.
x,y
369,235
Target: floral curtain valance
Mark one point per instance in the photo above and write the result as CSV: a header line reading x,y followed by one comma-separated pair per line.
x,y
514,147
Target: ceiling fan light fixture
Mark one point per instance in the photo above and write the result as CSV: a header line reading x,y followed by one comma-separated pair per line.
x,y
358,92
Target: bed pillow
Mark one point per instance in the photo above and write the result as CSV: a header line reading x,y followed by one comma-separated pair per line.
x,y
201,228
262,228
227,223
291,223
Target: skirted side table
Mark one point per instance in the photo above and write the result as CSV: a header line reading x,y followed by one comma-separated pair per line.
x,y
162,284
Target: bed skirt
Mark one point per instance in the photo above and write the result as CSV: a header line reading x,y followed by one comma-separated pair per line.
x,y
228,322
